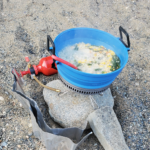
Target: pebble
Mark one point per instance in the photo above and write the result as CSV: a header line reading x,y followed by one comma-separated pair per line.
x,y
6,92
1,98
137,84
10,96
30,125
148,128
19,146
30,133
20,105
95,144
3,144
11,133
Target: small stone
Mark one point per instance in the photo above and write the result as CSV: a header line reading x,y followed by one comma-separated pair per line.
x,y
6,92
137,84
30,125
19,146
30,133
43,56
1,98
3,144
27,137
148,128
95,144
20,105
10,96
11,133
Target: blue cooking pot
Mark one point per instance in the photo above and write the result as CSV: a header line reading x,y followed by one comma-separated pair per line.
x,y
97,37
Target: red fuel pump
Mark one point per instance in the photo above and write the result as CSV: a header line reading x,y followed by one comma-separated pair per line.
x,y
47,66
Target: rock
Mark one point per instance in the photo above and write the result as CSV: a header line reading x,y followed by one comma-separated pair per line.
x,y
105,100
3,144
19,146
6,92
10,96
137,84
148,127
72,109
11,133
107,129
29,133
1,98
30,125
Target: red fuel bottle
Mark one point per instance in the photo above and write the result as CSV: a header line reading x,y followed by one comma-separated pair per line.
x,y
46,66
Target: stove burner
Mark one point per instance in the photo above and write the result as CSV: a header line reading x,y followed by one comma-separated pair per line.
x,y
82,90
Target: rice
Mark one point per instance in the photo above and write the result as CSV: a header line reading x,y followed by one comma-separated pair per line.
x,y
91,59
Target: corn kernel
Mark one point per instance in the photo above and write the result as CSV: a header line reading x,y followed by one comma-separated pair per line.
x,y
110,59
103,63
83,61
112,52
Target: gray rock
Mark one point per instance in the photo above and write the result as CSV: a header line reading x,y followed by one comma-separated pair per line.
x,y
72,109
107,129
3,144
104,99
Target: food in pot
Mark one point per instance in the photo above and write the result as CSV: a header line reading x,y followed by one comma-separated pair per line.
x,y
91,59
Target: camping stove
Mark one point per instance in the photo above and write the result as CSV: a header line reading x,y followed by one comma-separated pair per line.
x,y
83,82
82,90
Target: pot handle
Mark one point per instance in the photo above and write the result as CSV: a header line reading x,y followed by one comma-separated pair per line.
x,y
51,50
127,36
